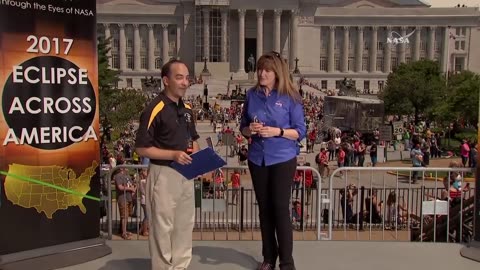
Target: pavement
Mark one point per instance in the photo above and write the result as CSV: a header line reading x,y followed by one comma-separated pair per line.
x,y
309,255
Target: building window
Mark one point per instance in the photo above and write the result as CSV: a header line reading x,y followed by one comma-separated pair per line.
x,y
337,63
337,44
366,85
459,64
438,46
115,61
324,84
215,35
366,45
351,63
408,60
116,44
380,46
144,44
423,45
215,38
394,62
350,44
158,63
462,45
323,44
129,61
129,44
457,45
365,66
158,44
460,31
323,63
379,63
143,62
381,85
129,83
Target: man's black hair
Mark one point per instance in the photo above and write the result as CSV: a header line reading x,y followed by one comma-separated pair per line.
x,y
167,66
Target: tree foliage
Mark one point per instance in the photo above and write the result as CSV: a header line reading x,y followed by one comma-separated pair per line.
x,y
462,97
414,89
118,107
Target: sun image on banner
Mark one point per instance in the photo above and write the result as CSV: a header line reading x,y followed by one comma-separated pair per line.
x,y
49,128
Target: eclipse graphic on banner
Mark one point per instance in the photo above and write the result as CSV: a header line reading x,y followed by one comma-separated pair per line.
x,y
48,103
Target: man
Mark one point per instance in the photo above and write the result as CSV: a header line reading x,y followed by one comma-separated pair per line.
x,y
167,133
417,161
322,162
125,190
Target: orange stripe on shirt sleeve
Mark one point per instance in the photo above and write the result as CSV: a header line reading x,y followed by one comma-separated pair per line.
x,y
154,113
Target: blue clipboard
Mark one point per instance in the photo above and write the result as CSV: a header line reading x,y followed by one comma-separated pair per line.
x,y
203,161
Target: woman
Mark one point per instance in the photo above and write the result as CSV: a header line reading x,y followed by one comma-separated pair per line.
x,y
274,120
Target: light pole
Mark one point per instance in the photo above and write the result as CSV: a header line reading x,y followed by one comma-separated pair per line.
x,y
472,250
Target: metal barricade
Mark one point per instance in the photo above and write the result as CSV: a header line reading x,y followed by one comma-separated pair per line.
x,y
422,211
218,219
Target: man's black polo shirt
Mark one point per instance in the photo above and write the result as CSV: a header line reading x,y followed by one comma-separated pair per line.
x,y
166,125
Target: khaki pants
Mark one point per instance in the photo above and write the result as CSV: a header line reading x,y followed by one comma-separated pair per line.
x,y
171,211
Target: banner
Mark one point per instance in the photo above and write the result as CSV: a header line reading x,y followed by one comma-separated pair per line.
x,y
49,127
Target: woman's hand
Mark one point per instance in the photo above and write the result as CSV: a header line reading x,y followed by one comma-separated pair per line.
x,y
255,127
268,132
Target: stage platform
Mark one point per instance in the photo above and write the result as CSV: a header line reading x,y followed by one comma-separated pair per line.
x,y
309,255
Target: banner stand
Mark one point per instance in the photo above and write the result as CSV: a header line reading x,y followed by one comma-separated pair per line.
x,y
57,256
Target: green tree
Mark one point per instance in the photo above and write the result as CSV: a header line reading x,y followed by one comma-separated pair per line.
x,y
107,77
415,88
462,97
118,107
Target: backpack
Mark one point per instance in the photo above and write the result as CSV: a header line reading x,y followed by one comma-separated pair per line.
x,y
317,158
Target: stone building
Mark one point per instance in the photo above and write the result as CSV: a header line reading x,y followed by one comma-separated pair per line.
x,y
332,39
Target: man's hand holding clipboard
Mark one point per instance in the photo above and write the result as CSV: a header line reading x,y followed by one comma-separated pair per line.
x,y
198,163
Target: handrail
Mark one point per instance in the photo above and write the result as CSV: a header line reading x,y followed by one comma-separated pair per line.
x,y
133,166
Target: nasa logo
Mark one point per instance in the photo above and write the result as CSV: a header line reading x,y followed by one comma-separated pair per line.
x,y
395,38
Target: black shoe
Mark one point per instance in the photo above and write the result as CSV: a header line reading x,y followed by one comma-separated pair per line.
x,y
266,266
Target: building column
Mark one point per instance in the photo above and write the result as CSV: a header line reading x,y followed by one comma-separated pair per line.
x,y
223,52
373,49
345,51
136,47
418,36
277,29
241,40
294,38
108,36
179,40
331,50
165,43
123,47
151,47
359,57
388,54
431,43
446,50
259,33
403,46
206,33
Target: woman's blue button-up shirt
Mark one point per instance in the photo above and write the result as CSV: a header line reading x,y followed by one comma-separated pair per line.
x,y
275,111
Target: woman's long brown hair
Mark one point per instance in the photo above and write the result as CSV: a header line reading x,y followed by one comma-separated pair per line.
x,y
273,61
